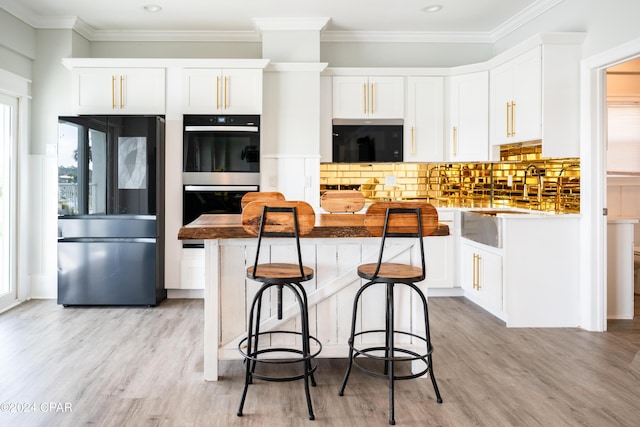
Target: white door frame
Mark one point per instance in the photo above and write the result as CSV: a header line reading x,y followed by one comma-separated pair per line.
x,y
593,256
9,205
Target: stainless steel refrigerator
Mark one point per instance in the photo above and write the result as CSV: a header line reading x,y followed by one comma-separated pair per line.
x,y
111,210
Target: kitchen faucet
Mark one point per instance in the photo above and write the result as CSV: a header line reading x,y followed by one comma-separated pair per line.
x,y
525,187
559,185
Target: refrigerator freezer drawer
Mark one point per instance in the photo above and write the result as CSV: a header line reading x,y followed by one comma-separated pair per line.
x,y
107,272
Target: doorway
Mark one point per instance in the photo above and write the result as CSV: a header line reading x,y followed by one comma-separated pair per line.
x,y
8,149
593,146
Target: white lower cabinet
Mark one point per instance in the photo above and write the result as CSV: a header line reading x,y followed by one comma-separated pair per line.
x,y
192,266
439,261
481,275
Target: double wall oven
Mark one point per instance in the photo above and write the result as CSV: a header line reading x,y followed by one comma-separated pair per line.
x,y
221,163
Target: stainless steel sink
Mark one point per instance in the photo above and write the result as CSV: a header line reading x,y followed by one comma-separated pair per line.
x,y
483,226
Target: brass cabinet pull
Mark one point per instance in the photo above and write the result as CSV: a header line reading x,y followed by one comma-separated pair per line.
x,y
476,271
506,121
113,92
217,92
455,141
513,118
373,101
413,141
478,263
364,97
121,92
226,79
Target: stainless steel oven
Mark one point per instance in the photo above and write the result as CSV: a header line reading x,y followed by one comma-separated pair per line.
x,y
221,150
211,199
221,163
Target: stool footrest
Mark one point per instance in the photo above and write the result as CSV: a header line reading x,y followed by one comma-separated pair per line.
x,y
253,357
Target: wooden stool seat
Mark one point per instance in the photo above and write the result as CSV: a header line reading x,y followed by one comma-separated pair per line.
x,y
279,272
390,272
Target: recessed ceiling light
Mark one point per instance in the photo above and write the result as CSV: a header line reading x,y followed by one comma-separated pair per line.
x,y
431,9
152,8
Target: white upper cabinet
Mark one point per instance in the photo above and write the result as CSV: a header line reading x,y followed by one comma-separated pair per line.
x,y
424,123
118,90
469,117
357,97
535,96
516,99
222,91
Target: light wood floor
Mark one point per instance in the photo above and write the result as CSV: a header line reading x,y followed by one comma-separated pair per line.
x,y
143,367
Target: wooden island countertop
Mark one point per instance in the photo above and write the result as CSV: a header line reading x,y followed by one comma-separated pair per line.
x,y
229,226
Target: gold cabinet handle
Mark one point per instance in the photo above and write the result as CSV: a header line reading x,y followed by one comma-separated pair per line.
x,y
513,118
217,92
413,141
455,141
508,133
113,92
479,285
226,80
373,101
364,97
121,92
475,271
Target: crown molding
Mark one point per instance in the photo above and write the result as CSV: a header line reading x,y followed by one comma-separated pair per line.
x,y
174,36
526,15
267,24
291,24
404,37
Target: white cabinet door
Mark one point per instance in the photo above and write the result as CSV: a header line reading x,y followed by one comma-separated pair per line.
x,y
469,117
222,91
481,275
356,97
439,261
516,99
118,90
423,140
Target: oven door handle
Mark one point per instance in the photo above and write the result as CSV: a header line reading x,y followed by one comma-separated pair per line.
x,y
220,188
221,128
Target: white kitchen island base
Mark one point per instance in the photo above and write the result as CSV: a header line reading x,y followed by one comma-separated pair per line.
x,y
228,292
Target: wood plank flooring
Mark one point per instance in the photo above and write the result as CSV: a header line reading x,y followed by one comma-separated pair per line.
x,y
143,367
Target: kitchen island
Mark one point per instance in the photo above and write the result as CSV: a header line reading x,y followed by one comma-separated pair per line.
x,y
334,249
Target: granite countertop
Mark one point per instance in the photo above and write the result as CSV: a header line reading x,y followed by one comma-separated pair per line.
x,y
229,226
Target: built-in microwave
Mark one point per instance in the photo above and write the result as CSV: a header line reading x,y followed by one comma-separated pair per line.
x,y
357,141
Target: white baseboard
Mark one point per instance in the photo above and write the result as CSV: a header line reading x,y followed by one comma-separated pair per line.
x,y
185,293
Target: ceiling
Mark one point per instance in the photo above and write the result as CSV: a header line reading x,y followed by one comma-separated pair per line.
x,y
479,20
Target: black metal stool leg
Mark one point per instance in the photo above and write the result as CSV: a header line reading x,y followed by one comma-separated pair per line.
x,y
302,302
249,366
354,316
305,331
389,356
429,346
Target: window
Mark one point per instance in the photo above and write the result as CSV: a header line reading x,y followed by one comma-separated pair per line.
x,y
623,142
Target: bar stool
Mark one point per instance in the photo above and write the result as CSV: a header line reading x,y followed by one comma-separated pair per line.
x,y
280,219
402,220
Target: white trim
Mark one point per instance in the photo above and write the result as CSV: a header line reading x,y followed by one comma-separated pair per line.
x,y
291,24
314,67
166,62
593,294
